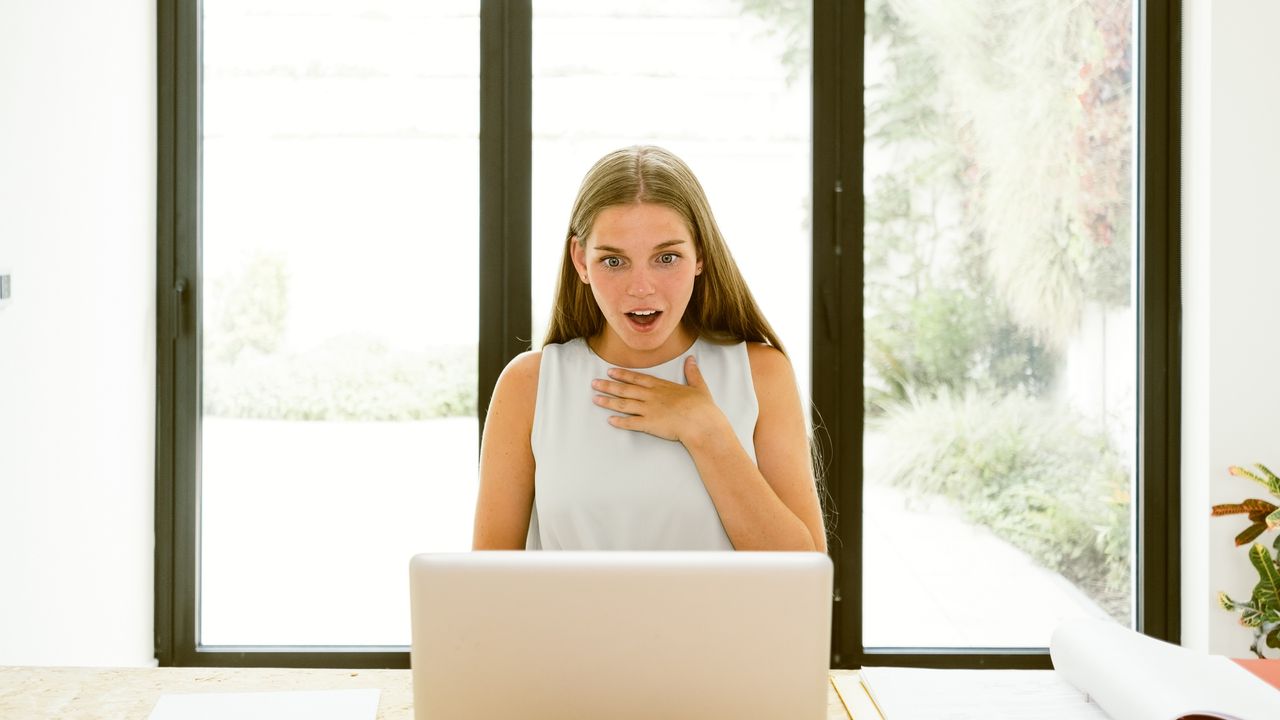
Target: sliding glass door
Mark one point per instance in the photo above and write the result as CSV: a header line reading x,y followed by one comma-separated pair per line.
x,y
339,313
1001,327
960,217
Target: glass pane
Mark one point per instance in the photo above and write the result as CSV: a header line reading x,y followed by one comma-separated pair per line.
x,y
724,84
1001,336
340,312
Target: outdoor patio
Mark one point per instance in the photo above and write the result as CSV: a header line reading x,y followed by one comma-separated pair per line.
x,y
320,519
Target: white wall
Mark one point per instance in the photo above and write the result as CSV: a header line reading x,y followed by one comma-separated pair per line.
x,y
77,340
1231,262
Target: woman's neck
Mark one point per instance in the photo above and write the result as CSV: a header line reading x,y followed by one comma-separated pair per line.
x,y
610,348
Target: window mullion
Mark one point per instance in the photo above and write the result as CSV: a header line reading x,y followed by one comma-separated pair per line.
x,y
506,49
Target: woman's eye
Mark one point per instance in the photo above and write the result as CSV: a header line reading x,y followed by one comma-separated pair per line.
x,y
667,258
612,262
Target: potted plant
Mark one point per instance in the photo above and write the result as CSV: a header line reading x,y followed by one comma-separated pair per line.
x,y
1262,611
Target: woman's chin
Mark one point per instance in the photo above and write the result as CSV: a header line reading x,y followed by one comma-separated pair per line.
x,y
638,338
660,336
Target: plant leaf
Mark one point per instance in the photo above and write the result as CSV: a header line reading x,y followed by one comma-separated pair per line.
x,y
1266,595
1243,472
1269,484
1257,504
1260,515
1250,533
1256,645
1271,477
1273,520
1253,506
1273,482
1249,615
1273,637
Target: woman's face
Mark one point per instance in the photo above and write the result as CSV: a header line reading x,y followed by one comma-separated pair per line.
x,y
640,263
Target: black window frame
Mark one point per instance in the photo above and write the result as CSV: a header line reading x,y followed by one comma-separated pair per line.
x,y
837,332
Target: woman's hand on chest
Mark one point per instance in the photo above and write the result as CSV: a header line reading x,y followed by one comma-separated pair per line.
x,y
668,410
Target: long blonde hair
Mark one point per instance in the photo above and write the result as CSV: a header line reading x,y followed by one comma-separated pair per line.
x,y
721,308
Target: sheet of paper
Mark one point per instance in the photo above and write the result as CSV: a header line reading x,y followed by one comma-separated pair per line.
x,y
917,694
287,705
854,697
1138,677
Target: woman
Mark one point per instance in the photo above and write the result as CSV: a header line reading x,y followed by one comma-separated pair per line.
x,y
661,413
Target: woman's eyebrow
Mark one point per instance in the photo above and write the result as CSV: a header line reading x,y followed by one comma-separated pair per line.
x,y
620,251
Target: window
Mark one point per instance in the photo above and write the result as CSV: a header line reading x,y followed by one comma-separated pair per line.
x,y
1000,320
729,94
338,314
361,207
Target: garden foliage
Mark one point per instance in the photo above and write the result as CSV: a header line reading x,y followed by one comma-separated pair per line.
x,y
1004,219
1261,611
1038,477
249,374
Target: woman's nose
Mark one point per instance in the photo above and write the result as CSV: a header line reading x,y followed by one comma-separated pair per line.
x,y
640,284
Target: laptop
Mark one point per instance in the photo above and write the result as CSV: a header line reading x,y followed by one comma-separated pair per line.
x,y
589,635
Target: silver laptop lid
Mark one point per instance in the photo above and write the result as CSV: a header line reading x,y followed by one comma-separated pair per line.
x,y
620,635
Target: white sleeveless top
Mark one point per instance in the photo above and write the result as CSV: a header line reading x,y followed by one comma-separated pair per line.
x,y
598,487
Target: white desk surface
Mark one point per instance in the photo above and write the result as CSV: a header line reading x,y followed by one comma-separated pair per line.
x,y
40,693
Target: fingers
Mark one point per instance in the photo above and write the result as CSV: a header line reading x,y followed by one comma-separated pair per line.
x,y
627,384
625,422
617,389
649,404
640,423
692,373
622,377
633,378
622,405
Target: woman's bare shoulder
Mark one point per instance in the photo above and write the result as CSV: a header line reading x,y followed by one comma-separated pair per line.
x,y
520,376
524,364
769,366
515,394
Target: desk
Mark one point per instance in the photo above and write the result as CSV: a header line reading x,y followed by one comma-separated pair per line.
x,y
130,693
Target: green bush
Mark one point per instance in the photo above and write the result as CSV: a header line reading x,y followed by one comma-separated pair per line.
x,y
248,308
1036,474
347,379
949,340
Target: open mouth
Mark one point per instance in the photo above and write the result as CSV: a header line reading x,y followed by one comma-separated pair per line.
x,y
643,318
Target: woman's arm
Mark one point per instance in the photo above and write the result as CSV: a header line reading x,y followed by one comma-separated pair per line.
x,y
769,504
506,459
